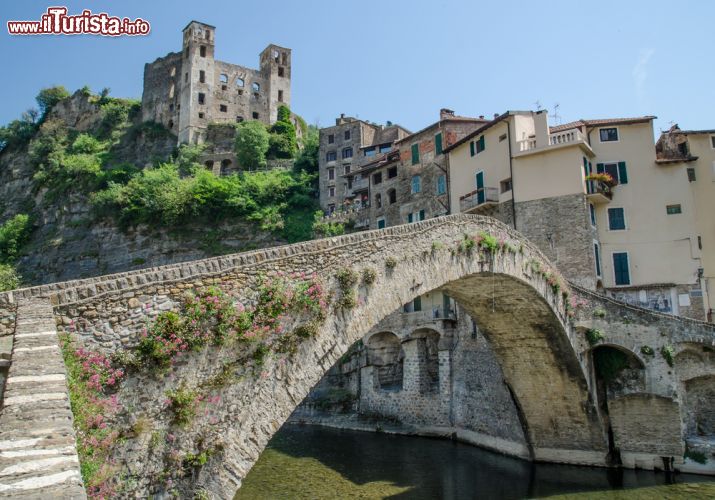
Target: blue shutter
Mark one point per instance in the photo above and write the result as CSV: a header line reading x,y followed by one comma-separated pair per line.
x,y
622,173
620,269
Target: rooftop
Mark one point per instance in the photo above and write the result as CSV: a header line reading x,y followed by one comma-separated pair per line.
x,y
602,121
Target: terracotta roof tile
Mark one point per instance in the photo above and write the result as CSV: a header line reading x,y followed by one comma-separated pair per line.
x,y
600,122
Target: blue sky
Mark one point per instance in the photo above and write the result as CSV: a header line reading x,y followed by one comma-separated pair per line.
x,y
403,60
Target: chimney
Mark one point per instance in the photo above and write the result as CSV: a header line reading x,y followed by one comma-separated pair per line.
x,y
445,113
481,117
496,115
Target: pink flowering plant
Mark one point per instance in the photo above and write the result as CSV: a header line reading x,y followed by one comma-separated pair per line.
x,y
93,381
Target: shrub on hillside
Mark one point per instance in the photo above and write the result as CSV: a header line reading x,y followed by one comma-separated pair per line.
x,y
252,142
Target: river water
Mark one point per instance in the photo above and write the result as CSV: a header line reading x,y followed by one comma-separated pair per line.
x,y
314,462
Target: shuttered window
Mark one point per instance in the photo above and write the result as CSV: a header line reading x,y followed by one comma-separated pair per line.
x,y
620,268
441,184
616,219
480,145
471,148
438,143
415,154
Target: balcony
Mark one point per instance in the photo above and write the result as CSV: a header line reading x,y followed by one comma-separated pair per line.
x,y
557,139
599,192
478,200
423,319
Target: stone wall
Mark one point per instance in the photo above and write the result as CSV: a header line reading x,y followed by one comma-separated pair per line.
x,y
562,229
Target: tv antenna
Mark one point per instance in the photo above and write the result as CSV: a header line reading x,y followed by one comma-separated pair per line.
x,y
538,105
556,117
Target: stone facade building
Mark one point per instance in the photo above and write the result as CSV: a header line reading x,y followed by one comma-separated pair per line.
x,y
187,90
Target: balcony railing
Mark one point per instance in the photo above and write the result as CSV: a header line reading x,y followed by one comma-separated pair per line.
x,y
555,139
599,191
477,199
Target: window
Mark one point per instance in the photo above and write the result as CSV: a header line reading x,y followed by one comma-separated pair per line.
x,y
202,76
441,184
505,185
347,153
280,96
347,169
597,258
186,77
378,200
616,219
331,156
186,53
415,154
370,152
207,34
256,87
608,134
201,115
331,139
691,174
331,191
416,184
617,170
392,196
223,78
391,172
223,108
471,148
480,145
331,209
240,82
255,115
416,216
281,71
385,148
417,303
712,141
346,135
239,119
673,209
202,51
380,223
377,178
502,138
621,272
700,243
202,98
438,143
331,174
592,211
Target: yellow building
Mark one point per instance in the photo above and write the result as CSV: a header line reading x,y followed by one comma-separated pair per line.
x,y
593,196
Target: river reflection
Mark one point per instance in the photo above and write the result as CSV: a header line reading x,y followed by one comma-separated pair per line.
x,y
318,462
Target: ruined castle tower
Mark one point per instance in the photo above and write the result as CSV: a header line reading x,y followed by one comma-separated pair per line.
x,y
187,90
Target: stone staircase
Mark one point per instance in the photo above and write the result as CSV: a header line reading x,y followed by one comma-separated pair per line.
x,y
38,455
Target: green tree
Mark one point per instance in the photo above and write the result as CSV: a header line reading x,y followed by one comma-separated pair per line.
x,y
307,160
13,233
48,97
283,143
252,142
9,280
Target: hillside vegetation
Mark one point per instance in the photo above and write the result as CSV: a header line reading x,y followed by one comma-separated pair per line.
x,y
86,161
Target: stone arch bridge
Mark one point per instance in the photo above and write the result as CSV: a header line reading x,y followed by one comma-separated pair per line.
x,y
537,324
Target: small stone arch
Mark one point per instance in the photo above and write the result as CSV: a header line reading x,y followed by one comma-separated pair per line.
x,y
385,354
429,354
617,371
698,410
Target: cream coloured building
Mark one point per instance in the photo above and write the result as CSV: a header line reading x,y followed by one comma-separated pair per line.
x,y
647,238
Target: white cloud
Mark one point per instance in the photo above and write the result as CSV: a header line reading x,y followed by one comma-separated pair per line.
x,y
640,74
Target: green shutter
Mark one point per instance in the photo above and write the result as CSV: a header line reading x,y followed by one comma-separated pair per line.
x,y
481,144
422,215
409,217
415,154
417,304
600,168
622,173
471,148
438,143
